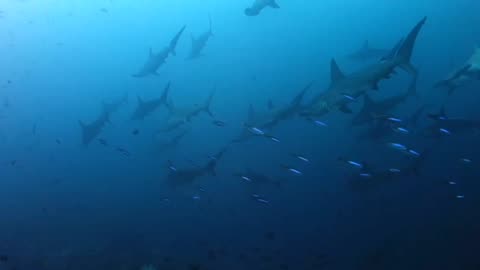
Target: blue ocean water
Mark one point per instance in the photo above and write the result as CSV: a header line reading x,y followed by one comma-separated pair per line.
x,y
245,134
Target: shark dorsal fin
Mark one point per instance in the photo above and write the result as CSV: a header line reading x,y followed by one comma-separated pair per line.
x,y
335,73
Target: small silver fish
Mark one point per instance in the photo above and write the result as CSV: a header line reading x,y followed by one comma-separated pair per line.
x,y
413,152
452,183
401,130
393,119
466,160
246,178
445,131
366,175
354,163
196,197
393,170
398,146
348,97
263,201
460,197
320,123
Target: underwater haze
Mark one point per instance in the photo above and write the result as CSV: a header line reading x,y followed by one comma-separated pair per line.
x,y
242,134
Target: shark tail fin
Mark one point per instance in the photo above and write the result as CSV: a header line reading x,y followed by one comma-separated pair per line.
x,y
335,73
273,4
174,41
164,97
210,29
208,104
82,125
404,53
297,100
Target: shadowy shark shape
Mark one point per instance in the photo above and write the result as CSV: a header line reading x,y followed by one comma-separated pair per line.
x,y
367,53
345,88
92,130
156,60
292,109
467,74
171,144
145,108
381,177
259,5
381,128
187,176
273,117
371,109
199,43
113,106
258,182
181,116
455,126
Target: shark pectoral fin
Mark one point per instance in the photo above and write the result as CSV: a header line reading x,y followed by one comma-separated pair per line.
x,y
345,109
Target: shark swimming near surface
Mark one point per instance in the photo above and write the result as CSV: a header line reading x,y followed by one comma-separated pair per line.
x,y
156,60
345,88
199,43
145,108
371,109
92,130
258,5
463,76
367,53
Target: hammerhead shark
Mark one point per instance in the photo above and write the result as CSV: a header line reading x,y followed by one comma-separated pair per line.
x,y
445,124
171,144
180,116
273,117
367,53
259,5
156,60
187,176
145,108
92,130
288,111
371,109
113,106
381,128
463,76
345,88
199,43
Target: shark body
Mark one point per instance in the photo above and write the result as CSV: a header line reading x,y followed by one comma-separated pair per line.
x,y
156,60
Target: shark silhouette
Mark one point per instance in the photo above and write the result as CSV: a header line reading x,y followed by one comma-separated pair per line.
x,y
356,84
145,108
156,60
